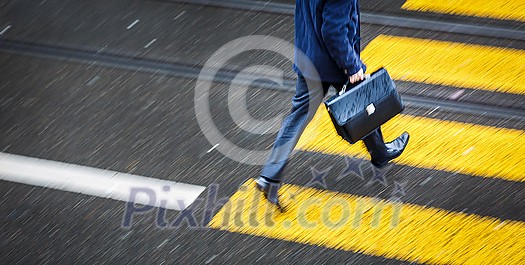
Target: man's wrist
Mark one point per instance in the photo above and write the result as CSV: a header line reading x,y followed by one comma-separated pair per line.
x,y
351,72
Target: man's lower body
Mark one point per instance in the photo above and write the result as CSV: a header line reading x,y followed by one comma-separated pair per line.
x,y
294,125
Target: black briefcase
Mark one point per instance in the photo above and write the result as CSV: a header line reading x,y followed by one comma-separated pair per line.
x,y
356,111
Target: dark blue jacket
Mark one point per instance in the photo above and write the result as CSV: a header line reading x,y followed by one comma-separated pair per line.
x,y
327,31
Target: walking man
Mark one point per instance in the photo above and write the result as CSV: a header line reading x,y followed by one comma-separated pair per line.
x,y
328,33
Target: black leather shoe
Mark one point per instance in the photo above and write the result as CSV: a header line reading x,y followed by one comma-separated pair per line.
x,y
270,190
393,150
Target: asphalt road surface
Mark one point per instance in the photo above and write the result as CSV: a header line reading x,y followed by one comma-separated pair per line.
x,y
112,85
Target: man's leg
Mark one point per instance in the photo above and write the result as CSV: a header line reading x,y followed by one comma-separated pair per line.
x,y
291,130
381,152
293,126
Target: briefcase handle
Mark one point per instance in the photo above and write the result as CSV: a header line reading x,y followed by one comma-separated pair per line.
x,y
343,89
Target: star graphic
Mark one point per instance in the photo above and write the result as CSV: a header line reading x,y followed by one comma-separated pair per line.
x,y
293,196
379,175
396,199
352,167
318,177
399,188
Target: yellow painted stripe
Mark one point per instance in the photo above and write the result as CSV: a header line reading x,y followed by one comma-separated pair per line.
x,y
375,227
448,63
435,144
500,9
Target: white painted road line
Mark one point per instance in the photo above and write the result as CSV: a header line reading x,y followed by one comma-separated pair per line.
x,y
98,182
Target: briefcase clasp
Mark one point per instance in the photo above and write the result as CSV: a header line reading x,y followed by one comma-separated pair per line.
x,y
370,109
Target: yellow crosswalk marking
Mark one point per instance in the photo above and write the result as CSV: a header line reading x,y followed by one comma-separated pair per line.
x,y
435,144
501,9
448,63
375,227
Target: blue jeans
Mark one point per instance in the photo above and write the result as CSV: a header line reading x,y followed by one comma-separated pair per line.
x,y
294,125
